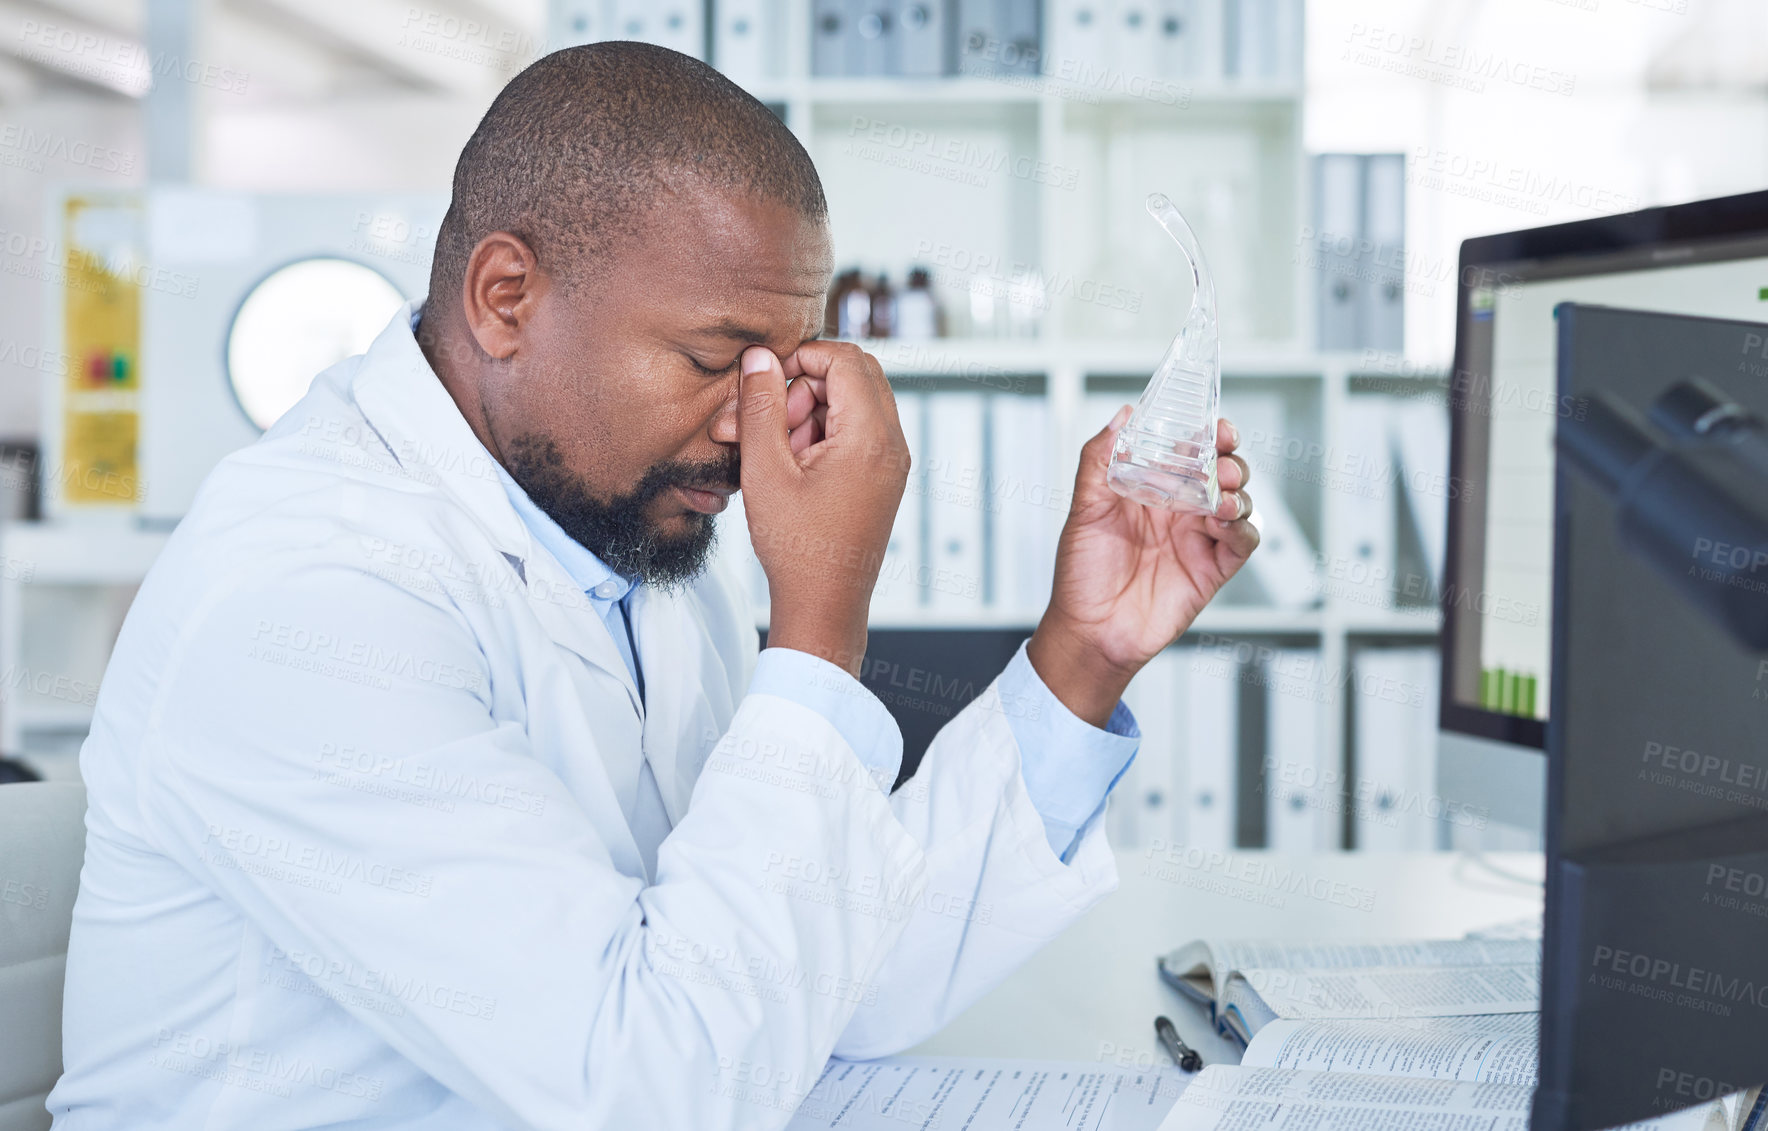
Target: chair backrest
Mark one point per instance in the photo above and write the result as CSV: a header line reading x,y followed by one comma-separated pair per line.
x,y
42,844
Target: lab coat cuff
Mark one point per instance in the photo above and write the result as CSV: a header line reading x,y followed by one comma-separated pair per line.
x,y
1069,765
855,713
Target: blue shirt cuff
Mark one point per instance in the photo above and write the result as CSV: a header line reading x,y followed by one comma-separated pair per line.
x,y
855,713
1068,764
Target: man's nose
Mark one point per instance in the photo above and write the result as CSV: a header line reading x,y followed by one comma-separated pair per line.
x,y
724,424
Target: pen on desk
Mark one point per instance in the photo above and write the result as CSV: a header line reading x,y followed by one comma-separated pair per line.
x,y
1183,1054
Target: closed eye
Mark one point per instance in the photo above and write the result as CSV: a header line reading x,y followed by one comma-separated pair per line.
x,y
710,370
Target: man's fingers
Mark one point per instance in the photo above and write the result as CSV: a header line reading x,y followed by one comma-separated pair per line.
x,y
762,410
1235,505
800,400
807,433
1227,436
1238,535
1098,449
850,379
1232,473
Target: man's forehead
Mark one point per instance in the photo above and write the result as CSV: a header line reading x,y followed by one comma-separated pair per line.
x,y
700,229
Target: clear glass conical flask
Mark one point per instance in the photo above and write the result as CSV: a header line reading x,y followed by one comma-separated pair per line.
x,y
1166,454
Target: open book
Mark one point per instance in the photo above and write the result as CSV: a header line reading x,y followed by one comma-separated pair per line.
x,y
1450,1062
1247,985
1279,1099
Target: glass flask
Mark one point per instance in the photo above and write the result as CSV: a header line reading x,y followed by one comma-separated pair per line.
x,y
1166,454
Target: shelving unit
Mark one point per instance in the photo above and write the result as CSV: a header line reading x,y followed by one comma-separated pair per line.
x,y
1069,209
63,593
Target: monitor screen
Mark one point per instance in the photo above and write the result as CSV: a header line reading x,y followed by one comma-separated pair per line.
x,y
1709,258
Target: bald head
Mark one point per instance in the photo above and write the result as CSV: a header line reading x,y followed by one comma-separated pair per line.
x,y
588,144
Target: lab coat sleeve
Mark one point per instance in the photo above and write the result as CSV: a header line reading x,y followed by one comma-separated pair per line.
x,y
1069,765
577,997
995,890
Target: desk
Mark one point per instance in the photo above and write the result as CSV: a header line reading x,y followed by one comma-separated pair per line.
x,y
1093,993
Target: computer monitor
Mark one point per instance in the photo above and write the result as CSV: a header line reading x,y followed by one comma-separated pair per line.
x,y
1706,258
1654,966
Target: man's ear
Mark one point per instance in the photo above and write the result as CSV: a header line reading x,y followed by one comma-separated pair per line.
x,y
499,290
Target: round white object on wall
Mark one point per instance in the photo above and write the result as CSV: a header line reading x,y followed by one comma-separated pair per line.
x,y
300,320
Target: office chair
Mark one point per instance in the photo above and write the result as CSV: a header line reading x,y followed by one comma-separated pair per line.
x,y
42,844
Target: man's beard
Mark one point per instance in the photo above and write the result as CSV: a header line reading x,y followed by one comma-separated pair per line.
x,y
617,530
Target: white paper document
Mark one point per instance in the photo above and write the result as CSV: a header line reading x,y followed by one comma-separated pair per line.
x,y
979,1094
1384,993
1225,957
1275,1100
1493,1048
1272,1099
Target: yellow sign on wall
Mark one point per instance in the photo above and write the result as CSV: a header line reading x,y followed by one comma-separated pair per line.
x,y
101,405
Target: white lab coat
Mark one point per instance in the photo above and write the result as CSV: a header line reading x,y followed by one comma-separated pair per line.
x,y
360,848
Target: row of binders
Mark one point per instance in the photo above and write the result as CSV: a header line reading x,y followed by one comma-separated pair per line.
x,y
1234,751
921,38
676,24
976,532
1108,46
1192,40
1357,252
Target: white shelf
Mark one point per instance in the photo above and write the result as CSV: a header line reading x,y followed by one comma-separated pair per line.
x,y
35,714
961,356
96,550
1225,619
1175,98
1410,621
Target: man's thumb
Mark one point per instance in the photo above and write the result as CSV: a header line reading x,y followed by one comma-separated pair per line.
x,y
761,420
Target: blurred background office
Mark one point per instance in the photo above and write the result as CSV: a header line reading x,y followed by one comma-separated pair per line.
x,y
204,202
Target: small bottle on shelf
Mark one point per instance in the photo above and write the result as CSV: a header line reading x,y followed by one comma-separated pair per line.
x,y
917,315
883,308
849,313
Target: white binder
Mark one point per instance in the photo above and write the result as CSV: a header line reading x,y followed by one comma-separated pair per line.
x,y
1080,39
872,48
1421,447
980,38
573,22
1301,796
1144,805
1338,226
923,33
1025,509
1394,783
1362,565
1190,34
953,479
1021,32
830,30
1266,39
679,25
898,592
1284,564
1208,699
1137,46
745,40
1289,17
1384,275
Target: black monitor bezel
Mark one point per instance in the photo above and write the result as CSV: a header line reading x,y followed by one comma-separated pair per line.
x,y
1483,258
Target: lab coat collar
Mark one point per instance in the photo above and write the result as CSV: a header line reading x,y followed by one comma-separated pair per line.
x,y
403,400
592,575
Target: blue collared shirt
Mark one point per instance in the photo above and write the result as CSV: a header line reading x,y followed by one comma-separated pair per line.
x,y
1069,766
